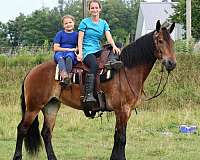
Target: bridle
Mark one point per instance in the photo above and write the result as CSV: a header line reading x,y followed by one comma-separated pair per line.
x,y
158,50
157,93
156,41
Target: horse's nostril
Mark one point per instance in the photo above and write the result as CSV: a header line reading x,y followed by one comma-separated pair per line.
x,y
174,64
169,64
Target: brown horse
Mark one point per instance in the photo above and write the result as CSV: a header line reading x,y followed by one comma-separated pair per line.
x,y
40,92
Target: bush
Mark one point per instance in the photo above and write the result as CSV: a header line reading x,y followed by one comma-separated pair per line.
x,y
23,60
3,60
183,47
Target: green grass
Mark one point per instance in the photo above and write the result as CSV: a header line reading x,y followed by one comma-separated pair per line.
x,y
150,135
153,134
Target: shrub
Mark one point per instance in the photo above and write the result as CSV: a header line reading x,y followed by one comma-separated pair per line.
x,y
184,47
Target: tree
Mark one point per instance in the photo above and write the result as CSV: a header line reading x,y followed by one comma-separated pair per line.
x,y
3,35
15,30
122,18
61,6
41,25
74,8
180,16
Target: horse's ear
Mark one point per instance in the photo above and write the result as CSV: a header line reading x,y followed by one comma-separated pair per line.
x,y
158,25
171,27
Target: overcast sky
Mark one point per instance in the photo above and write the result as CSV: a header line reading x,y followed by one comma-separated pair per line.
x,y
10,9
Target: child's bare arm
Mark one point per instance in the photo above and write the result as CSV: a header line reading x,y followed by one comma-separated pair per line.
x,y
56,47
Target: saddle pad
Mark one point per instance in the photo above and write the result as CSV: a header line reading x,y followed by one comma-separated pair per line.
x,y
104,76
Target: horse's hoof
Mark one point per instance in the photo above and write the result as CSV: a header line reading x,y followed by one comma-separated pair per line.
x,y
17,157
52,157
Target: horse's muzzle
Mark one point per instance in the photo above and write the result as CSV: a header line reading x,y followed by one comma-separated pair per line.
x,y
169,64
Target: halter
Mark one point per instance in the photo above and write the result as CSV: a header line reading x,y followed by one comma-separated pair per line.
x,y
158,50
157,93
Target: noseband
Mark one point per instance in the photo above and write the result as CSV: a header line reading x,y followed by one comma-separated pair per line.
x,y
158,50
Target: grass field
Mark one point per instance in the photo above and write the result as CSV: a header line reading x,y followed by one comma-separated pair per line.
x,y
152,134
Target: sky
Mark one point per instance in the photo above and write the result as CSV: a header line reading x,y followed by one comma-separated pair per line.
x,y
10,9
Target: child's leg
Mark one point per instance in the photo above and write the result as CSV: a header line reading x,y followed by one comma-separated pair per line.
x,y
62,68
68,64
61,64
59,58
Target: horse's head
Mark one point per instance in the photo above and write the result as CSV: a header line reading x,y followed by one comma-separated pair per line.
x,y
165,46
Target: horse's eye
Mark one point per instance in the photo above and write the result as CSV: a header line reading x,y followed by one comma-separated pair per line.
x,y
160,41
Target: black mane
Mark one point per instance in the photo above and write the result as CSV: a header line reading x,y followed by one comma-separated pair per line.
x,y
139,52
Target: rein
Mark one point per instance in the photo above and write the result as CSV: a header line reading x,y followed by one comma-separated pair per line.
x,y
156,94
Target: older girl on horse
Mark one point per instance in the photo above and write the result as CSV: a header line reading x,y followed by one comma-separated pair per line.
x,y
91,31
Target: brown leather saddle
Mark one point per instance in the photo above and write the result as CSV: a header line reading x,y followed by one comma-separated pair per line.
x,y
79,72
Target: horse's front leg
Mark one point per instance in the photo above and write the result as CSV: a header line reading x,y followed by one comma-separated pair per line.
x,y
118,152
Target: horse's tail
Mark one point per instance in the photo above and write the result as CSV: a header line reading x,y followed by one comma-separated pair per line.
x,y
32,139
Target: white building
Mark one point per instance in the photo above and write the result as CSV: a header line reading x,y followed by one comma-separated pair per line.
x,y
150,12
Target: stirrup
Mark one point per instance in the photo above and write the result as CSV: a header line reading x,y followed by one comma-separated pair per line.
x,y
89,103
89,114
66,79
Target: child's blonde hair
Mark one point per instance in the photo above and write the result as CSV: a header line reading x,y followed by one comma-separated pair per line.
x,y
68,16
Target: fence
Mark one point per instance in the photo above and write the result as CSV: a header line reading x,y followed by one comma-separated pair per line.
x,y
25,50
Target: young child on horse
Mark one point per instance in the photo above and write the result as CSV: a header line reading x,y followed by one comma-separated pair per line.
x,y
65,46
91,31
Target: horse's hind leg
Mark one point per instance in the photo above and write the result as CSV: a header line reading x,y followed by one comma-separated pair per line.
x,y
50,113
20,136
22,129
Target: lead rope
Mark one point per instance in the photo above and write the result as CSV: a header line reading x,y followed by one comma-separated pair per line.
x,y
156,94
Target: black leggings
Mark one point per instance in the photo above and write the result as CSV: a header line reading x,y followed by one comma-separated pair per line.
x,y
90,61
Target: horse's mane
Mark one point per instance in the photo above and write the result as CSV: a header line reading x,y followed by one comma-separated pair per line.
x,y
139,52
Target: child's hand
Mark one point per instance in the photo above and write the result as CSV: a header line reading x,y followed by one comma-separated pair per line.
x,y
80,57
73,49
76,49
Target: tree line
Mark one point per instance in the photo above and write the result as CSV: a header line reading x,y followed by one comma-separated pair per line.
x,y
180,16
40,27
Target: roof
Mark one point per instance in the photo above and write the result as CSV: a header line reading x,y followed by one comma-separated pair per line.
x,y
153,11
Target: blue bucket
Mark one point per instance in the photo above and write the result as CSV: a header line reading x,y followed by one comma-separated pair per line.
x,y
187,129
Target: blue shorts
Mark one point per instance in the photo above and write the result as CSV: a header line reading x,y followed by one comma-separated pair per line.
x,y
64,55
